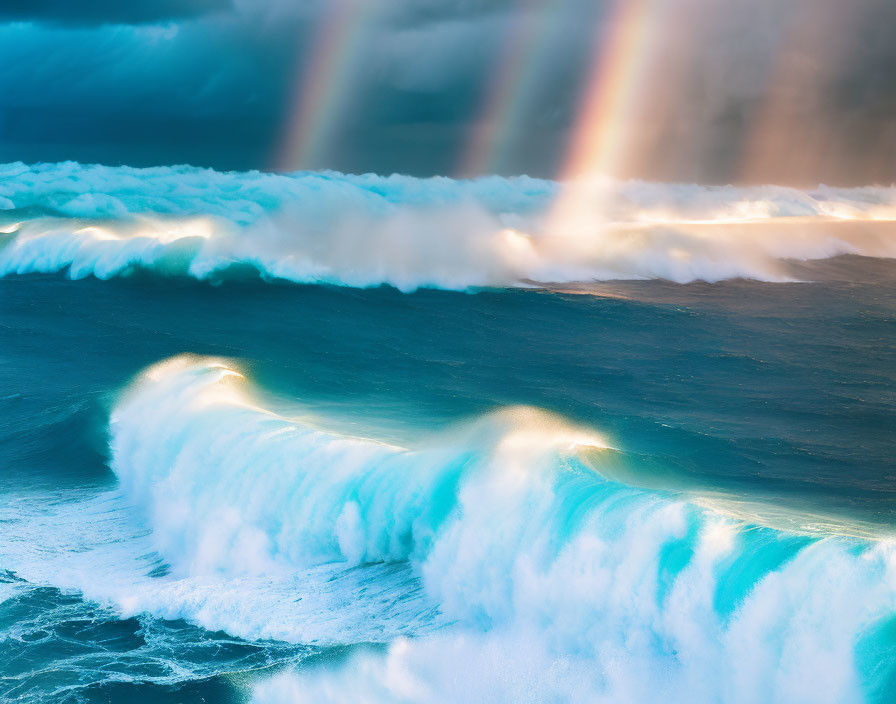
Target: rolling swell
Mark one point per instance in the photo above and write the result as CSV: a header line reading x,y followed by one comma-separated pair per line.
x,y
569,586
409,233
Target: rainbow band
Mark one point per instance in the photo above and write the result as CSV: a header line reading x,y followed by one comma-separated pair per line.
x,y
511,85
599,134
323,83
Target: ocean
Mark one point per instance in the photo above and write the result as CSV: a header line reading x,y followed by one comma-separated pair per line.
x,y
316,437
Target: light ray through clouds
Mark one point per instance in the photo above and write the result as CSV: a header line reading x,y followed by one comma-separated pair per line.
x,y
782,125
598,132
598,135
323,80
743,91
508,88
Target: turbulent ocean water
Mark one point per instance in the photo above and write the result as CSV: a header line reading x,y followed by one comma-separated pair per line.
x,y
315,437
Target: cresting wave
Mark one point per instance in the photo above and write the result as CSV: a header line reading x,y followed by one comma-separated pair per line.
x,y
495,563
533,578
278,493
407,232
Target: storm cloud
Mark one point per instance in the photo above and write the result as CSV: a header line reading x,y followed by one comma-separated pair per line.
x,y
87,12
731,90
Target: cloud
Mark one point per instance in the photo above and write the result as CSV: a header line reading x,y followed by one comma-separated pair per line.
x,y
92,12
739,90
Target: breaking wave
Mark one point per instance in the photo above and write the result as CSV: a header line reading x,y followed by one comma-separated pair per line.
x,y
407,232
494,560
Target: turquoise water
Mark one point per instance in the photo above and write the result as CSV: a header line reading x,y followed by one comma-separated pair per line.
x,y
247,487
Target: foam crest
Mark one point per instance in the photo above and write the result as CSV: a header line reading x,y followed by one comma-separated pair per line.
x,y
409,233
496,563
559,584
229,486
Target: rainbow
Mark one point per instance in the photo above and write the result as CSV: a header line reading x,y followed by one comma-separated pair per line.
x,y
322,84
599,135
510,87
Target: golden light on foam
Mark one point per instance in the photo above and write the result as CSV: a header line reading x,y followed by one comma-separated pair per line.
x,y
223,394
98,233
217,388
519,252
883,214
217,393
534,440
728,227
9,229
225,372
516,239
182,362
162,231
758,211
168,232
844,211
540,435
534,430
160,370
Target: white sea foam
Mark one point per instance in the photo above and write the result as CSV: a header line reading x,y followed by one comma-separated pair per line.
x,y
407,232
551,583
99,545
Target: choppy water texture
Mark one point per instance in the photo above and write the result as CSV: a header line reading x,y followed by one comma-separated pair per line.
x,y
235,467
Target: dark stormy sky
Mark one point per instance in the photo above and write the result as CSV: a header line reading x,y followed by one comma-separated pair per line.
x,y
802,91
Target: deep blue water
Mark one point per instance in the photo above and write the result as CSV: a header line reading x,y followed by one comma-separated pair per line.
x,y
784,392
233,468
782,395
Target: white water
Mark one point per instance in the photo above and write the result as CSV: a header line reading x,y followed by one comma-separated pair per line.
x,y
521,573
406,232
